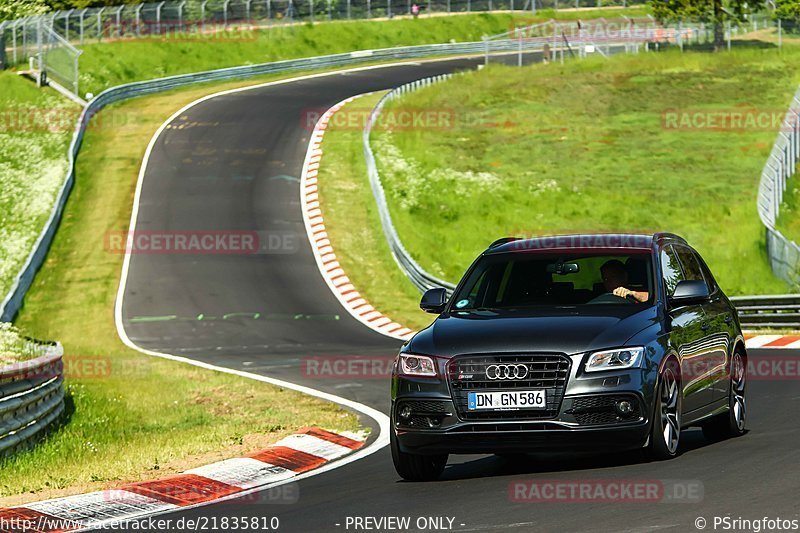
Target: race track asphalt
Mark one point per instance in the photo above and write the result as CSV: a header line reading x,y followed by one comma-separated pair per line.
x,y
231,163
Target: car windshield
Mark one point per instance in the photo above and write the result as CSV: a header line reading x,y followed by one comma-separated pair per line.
x,y
515,280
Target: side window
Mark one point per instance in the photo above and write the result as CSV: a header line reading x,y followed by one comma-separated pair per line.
x,y
712,283
670,269
691,266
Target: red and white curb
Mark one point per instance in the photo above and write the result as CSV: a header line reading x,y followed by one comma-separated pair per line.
x,y
298,453
329,266
772,341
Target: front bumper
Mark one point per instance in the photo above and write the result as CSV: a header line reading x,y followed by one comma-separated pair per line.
x,y
585,423
471,438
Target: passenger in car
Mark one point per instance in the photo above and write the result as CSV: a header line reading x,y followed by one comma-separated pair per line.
x,y
615,277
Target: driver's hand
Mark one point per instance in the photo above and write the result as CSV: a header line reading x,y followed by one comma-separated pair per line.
x,y
622,292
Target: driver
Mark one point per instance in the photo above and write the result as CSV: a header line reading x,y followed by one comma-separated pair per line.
x,y
615,276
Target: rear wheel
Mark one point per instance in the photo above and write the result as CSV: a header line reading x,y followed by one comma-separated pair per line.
x,y
416,467
732,422
665,430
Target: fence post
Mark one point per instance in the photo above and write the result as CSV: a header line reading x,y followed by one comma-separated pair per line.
x,y
729,35
100,24
83,16
519,43
780,34
369,9
348,10
311,9
389,8
485,50
119,20
66,24
39,51
14,39
158,17
139,18
225,13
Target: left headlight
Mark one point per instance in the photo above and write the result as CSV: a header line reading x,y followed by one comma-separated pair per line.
x,y
417,365
615,359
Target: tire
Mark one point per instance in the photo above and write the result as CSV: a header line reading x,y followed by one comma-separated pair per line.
x,y
665,431
416,467
731,423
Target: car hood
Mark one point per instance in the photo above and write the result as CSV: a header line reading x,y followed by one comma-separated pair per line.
x,y
564,330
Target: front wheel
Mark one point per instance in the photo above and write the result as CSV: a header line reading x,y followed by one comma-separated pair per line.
x,y
416,467
665,430
731,423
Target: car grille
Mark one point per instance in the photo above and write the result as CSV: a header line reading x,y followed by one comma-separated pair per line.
x,y
545,371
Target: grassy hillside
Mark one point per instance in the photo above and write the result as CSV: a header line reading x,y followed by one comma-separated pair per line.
x,y
107,64
589,146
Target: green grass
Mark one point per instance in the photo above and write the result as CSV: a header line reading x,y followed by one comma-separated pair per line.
x,y
581,147
35,130
789,218
106,64
145,417
353,225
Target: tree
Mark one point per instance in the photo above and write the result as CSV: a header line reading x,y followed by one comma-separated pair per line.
x,y
788,11
709,11
13,9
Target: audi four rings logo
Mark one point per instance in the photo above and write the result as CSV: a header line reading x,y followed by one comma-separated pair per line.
x,y
506,371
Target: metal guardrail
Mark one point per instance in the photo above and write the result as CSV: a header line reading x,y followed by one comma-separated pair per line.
x,y
520,42
13,300
776,311
31,398
783,254
421,279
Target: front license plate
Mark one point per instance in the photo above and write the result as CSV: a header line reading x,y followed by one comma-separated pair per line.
x,y
518,399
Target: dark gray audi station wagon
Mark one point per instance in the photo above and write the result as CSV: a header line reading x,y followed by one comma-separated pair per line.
x,y
577,342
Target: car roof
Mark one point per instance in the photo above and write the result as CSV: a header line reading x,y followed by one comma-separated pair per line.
x,y
583,241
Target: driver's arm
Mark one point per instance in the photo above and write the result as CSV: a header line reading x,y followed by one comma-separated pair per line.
x,y
639,296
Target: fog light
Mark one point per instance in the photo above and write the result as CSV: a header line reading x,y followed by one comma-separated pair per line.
x,y
624,407
405,412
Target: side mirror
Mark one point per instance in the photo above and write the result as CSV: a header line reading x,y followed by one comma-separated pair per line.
x,y
689,291
434,300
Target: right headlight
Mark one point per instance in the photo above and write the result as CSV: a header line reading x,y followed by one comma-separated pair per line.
x,y
417,365
617,359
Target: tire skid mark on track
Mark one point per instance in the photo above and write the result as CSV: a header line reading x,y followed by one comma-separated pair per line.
x,y
284,461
